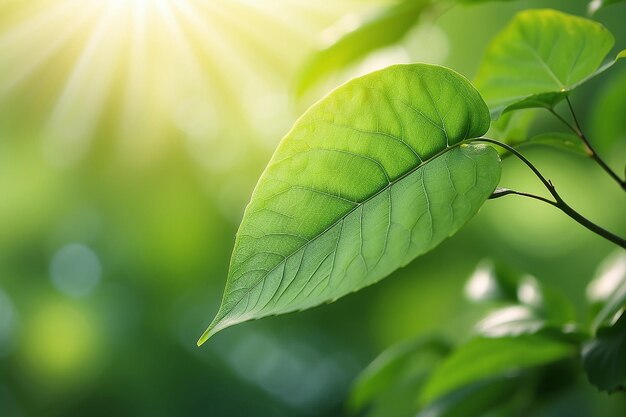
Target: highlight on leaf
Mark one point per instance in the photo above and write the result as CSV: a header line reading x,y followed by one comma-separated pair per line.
x,y
375,174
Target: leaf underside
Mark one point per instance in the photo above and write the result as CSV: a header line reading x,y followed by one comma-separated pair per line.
x,y
368,178
539,58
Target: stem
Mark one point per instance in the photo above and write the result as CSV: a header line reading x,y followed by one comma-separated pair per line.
x,y
593,154
559,202
503,192
521,157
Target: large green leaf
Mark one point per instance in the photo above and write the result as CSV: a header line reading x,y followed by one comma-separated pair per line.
x,y
539,58
383,29
483,358
370,177
604,357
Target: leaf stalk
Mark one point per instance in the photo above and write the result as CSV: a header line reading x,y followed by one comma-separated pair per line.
x,y
558,200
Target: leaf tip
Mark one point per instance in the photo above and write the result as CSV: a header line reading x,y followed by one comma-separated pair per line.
x,y
208,333
205,336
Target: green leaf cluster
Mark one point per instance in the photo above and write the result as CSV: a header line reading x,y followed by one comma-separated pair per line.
x,y
387,166
527,334
517,343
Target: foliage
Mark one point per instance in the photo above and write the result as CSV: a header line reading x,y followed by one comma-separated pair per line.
x,y
539,58
509,366
386,167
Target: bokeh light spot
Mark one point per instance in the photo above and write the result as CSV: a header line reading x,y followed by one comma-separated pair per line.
x,y
60,343
75,270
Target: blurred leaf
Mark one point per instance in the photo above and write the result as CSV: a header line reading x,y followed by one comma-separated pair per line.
x,y
547,302
472,400
604,358
595,5
493,281
320,224
393,365
394,378
560,140
539,58
608,289
483,358
510,321
386,28
608,124
513,127
499,282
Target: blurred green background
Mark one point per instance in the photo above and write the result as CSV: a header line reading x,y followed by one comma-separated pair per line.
x,y
131,136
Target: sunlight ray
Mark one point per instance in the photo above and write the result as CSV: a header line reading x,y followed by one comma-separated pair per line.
x,y
80,104
29,63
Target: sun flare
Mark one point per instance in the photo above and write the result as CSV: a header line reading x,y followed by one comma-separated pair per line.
x,y
136,70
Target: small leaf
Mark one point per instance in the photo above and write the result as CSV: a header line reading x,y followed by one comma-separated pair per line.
x,y
369,178
560,140
484,358
493,281
396,367
539,58
513,320
383,29
608,289
604,358
596,5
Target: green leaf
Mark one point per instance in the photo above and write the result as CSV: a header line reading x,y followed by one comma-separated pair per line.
x,y
560,140
608,289
473,400
492,281
596,5
484,358
395,367
539,58
384,29
370,177
513,127
608,124
604,358
513,320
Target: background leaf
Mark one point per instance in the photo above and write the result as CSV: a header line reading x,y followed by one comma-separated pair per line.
x,y
473,400
607,291
394,365
604,357
539,58
596,5
366,180
608,124
391,383
383,29
484,358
